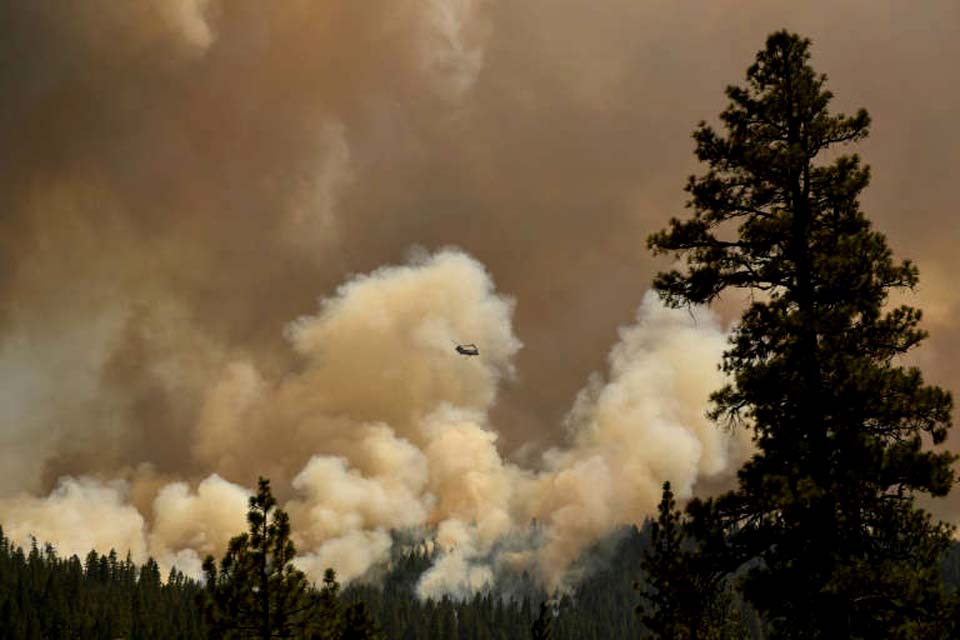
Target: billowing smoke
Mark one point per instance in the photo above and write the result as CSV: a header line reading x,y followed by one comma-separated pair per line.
x,y
182,182
79,515
383,426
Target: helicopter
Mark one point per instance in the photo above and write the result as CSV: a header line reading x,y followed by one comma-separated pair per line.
x,y
468,350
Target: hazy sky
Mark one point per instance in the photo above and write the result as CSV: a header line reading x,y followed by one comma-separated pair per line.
x,y
182,179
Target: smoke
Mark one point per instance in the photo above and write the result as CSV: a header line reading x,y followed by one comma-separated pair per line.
x,y
452,44
191,524
391,430
644,424
79,515
184,180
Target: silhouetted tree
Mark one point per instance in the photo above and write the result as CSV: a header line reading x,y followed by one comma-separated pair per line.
x,y
685,596
542,628
665,596
827,504
329,625
257,592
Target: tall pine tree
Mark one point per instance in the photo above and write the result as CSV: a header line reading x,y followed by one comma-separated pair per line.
x,y
257,592
666,596
827,504
685,595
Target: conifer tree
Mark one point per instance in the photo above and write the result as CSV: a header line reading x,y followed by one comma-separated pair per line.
x,y
826,506
358,624
329,623
666,592
685,595
543,626
257,593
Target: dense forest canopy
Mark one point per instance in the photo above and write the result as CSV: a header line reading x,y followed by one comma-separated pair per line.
x,y
102,597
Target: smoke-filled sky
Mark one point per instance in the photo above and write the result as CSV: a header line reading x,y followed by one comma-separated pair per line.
x,y
241,238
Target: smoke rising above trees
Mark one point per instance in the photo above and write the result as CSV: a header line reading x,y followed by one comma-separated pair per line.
x,y
185,180
389,429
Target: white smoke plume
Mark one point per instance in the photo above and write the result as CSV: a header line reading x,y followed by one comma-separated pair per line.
x,y
196,523
643,425
383,426
79,515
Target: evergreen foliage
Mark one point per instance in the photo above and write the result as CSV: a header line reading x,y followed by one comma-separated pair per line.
x,y
359,624
102,597
668,595
57,598
685,595
827,504
542,628
597,608
257,592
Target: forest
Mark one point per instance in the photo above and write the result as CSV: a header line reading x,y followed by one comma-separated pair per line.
x,y
822,536
105,597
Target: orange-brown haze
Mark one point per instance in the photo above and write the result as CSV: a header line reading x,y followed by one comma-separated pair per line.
x,y
241,239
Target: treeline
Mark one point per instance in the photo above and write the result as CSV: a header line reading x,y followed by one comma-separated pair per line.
x,y
45,596
600,606
103,597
